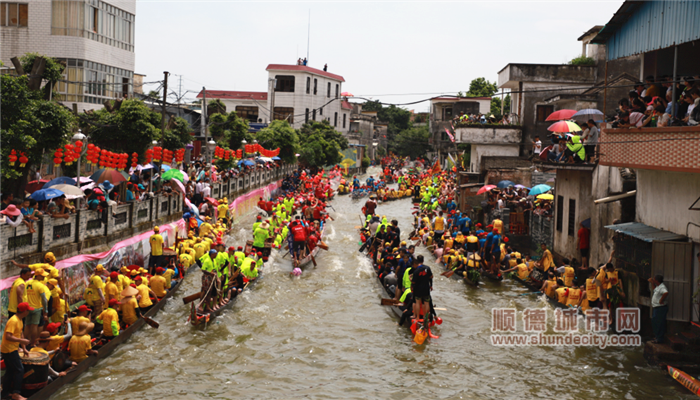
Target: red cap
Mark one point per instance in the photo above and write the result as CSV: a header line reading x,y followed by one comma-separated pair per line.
x,y
259,216
240,247
113,302
53,327
159,270
264,258
132,285
114,275
138,278
259,254
23,307
231,249
83,308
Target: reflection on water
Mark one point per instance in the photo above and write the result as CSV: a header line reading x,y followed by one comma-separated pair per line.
x,y
324,335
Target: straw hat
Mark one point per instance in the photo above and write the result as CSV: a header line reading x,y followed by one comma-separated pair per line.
x,y
45,336
264,225
84,328
130,291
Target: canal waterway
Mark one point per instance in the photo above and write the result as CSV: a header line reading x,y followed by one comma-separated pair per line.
x,y
325,336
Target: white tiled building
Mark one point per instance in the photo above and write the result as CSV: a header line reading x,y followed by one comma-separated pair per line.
x,y
299,93
95,38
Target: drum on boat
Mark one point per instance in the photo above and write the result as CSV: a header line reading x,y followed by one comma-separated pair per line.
x,y
36,373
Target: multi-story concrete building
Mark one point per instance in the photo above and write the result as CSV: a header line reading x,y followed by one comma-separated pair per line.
x,y
95,39
298,94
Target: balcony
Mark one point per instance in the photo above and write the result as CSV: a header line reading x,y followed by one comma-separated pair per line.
x,y
512,74
669,149
489,134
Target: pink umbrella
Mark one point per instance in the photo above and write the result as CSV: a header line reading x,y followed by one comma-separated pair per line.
x,y
486,189
564,126
179,186
561,115
347,94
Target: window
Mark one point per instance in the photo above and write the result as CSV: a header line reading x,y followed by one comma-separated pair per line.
x,y
344,119
337,88
308,85
329,90
572,217
249,113
306,116
320,111
543,112
313,115
13,14
99,80
284,114
93,20
447,113
285,83
335,120
560,212
315,85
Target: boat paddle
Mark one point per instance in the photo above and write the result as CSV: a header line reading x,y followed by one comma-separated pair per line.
x,y
313,259
391,302
525,294
151,322
191,298
322,245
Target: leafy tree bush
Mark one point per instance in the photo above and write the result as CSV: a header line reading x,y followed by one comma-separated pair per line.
x,y
280,134
584,61
320,144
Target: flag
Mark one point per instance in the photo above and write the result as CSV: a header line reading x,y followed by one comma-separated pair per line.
x,y
452,138
436,167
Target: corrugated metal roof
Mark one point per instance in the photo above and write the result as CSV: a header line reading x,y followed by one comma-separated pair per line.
x,y
645,232
643,26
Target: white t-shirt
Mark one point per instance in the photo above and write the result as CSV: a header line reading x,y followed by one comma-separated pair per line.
x,y
656,296
206,192
538,147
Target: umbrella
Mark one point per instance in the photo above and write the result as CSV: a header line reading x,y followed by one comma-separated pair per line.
x,y
486,189
173,174
84,180
347,94
71,192
109,174
98,191
178,185
519,186
586,223
140,167
539,189
164,167
564,126
560,115
46,194
546,197
212,200
246,162
60,180
276,158
588,113
505,184
259,161
33,186
266,159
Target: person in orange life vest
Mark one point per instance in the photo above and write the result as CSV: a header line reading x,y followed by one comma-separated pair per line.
x,y
299,234
262,204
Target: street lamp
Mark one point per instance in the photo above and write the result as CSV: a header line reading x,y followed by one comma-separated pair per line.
x,y
244,141
211,145
79,136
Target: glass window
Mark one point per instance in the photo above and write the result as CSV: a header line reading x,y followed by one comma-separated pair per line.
x,y
284,113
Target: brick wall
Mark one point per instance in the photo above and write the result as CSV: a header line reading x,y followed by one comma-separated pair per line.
x,y
669,149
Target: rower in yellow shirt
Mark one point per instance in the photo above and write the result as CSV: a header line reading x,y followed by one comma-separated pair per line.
x,y
158,283
129,305
80,344
145,302
111,289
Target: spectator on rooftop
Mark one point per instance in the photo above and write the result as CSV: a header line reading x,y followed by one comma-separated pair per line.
x,y
653,89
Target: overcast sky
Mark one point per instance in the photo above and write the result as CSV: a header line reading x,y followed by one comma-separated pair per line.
x,y
397,52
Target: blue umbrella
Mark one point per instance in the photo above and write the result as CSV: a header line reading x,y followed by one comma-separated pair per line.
x,y
276,158
46,194
246,162
60,181
505,184
165,167
539,189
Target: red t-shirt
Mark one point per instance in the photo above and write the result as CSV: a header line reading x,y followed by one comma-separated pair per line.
x,y
583,235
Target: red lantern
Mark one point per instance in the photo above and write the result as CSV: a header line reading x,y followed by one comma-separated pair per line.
x,y
56,162
13,157
23,160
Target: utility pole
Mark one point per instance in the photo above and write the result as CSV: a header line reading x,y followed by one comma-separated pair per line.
x,y
203,124
165,96
272,100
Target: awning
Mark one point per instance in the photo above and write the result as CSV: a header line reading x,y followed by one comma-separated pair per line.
x,y
468,185
615,197
645,232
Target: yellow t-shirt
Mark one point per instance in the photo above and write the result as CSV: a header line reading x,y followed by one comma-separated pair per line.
x,y
223,211
14,301
199,249
38,350
79,346
34,290
46,267
128,307
97,282
14,325
156,242
523,271
111,292
168,276
204,229
59,312
55,342
107,316
186,260
158,285
145,300
75,322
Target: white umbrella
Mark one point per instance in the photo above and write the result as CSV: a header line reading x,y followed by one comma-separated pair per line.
x,y
588,113
140,167
71,191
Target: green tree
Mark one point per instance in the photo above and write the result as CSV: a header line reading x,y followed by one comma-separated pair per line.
x,y
131,128
365,162
31,125
381,151
496,106
279,134
413,142
229,129
372,106
320,144
480,87
216,106
177,134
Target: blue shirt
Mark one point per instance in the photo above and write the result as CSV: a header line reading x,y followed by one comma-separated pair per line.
x,y
496,241
489,238
129,195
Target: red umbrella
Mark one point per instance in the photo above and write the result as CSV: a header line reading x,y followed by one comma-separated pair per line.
x,y
212,200
564,127
109,174
486,189
33,186
561,115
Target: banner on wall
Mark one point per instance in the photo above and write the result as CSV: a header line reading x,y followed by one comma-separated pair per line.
x,y
76,270
242,205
